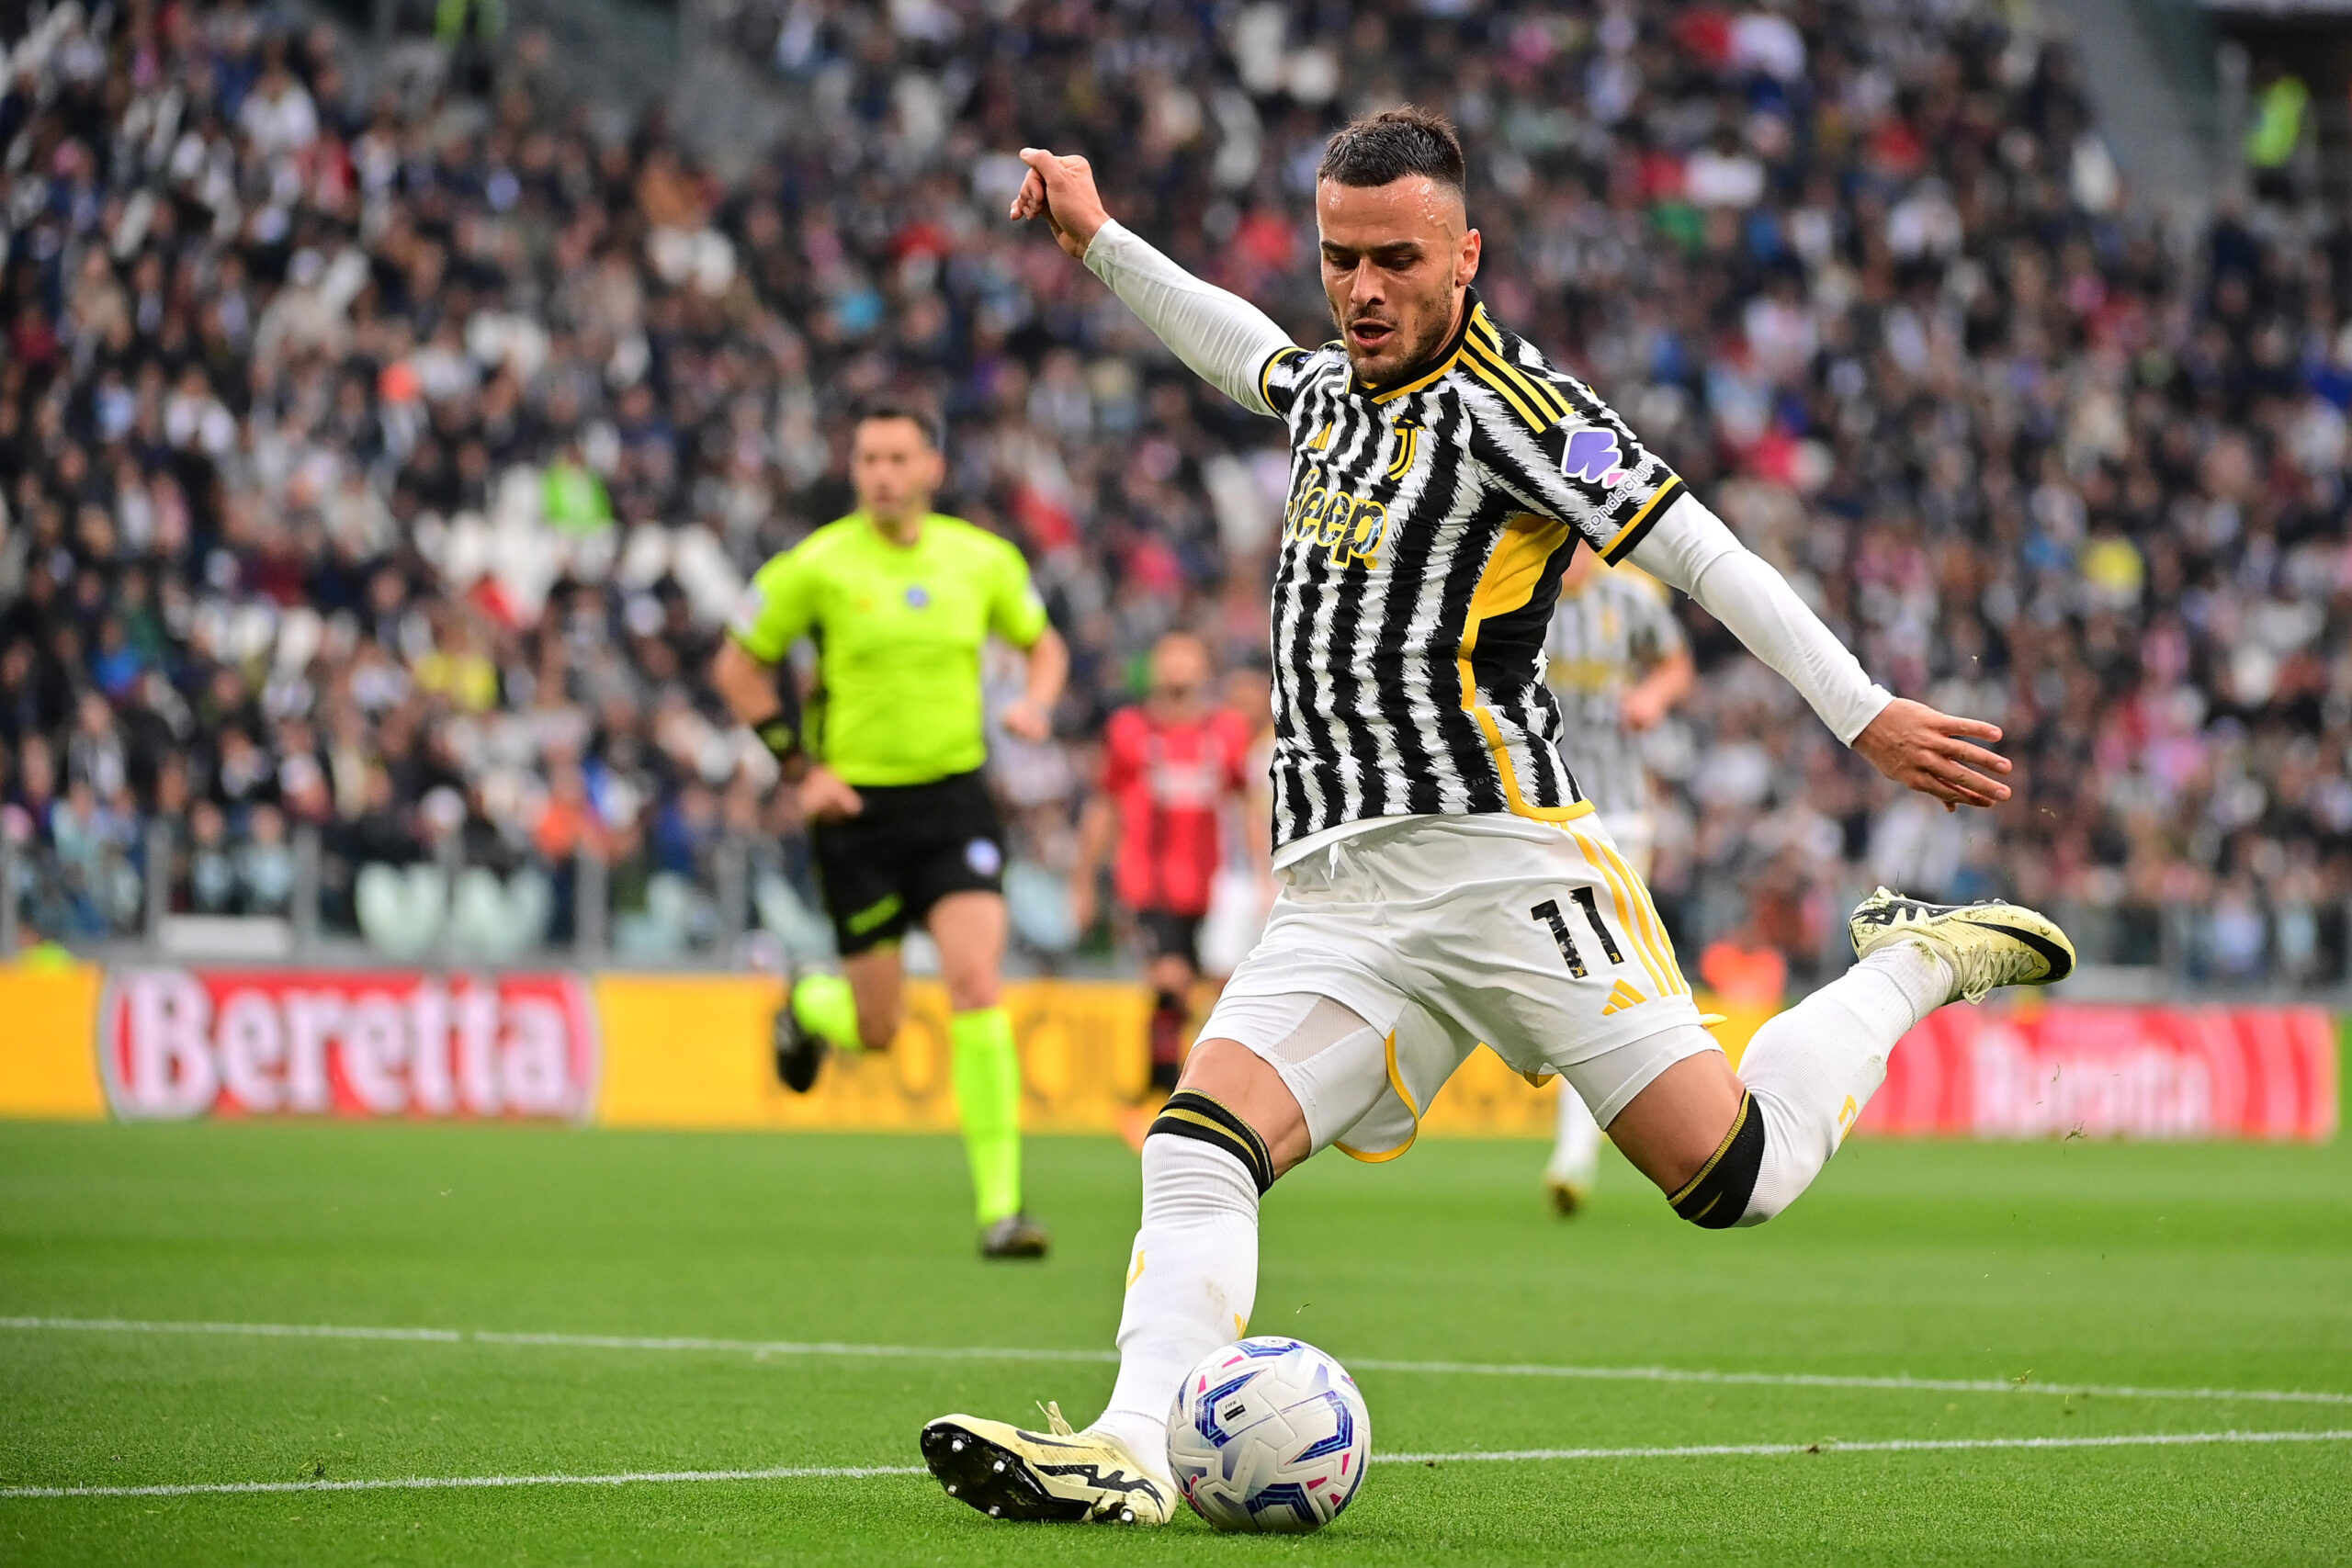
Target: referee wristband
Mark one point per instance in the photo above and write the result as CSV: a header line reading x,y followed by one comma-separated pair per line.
x,y
779,737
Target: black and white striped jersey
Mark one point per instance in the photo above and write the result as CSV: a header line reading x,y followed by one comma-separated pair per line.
x,y
1426,530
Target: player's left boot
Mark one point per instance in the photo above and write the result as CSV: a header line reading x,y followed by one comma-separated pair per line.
x,y
1059,1475
1986,945
1016,1235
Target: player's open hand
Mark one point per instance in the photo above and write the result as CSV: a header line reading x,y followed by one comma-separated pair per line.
x,y
826,798
1935,753
1062,189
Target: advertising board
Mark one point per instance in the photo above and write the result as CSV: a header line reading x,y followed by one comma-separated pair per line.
x,y
687,1051
2113,1072
175,1043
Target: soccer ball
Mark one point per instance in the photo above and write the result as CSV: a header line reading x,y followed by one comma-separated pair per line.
x,y
1268,1434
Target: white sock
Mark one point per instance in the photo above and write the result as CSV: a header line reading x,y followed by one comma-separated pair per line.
x,y
1575,1158
1814,1067
1191,1283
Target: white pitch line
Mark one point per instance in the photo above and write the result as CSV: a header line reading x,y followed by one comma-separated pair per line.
x,y
563,1341
759,1347
1829,1379
860,1473
1892,1446
786,1347
447,1483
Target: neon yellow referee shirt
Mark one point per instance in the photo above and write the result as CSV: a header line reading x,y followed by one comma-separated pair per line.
x,y
899,630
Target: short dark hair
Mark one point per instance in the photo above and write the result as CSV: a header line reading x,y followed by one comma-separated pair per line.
x,y
893,408
1387,146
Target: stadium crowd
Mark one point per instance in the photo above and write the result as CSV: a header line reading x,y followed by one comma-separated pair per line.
x,y
385,461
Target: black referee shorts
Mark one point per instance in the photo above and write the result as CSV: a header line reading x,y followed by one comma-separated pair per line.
x,y
883,869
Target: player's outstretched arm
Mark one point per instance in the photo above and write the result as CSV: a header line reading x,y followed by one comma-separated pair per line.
x,y
1935,753
1223,338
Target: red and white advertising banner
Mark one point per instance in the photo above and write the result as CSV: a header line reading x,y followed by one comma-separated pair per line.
x,y
175,1043
2113,1072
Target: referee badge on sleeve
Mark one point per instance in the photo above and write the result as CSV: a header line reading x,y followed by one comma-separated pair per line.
x,y
984,857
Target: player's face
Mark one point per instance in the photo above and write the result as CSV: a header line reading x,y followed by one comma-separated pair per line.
x,y
895,469
1180,669
1395,260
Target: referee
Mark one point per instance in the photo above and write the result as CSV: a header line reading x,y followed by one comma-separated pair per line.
x,y
899,602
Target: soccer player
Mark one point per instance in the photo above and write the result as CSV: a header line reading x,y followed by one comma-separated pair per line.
x,y
1444,880
899,602
1169,764
1616,662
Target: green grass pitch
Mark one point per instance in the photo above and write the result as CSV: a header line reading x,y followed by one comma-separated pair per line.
x,y
2182,1268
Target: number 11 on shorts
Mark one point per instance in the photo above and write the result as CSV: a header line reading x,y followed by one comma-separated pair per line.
x,y
1549,913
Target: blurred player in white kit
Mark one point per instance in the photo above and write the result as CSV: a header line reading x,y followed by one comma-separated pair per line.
x,y
1617,663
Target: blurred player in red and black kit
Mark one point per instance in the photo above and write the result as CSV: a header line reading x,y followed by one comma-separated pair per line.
x,y
1169,764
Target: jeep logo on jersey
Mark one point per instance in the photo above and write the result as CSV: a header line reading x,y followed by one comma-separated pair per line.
x,y
1350,527
176,1044
1592,457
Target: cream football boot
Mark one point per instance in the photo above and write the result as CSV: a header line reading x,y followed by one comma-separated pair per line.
x,y
1987,945
1060,1475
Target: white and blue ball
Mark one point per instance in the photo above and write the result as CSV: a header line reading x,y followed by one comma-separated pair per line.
x,y
1268,1434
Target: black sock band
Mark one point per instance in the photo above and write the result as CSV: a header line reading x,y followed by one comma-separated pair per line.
x,y
1191,1114
1715,1198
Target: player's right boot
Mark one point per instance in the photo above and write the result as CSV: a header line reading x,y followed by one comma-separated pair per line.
x,y
1060,1475
1568,1196
1986,945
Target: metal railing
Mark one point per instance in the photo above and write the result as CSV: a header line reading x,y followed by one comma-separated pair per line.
x,y
304,902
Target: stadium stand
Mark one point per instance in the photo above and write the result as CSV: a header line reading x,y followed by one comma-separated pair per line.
x,y
378,465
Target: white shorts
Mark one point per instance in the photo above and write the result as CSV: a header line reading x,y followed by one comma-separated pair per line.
x,y
1443,935
1636,835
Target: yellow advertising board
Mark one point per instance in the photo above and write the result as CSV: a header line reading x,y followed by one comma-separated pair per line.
x,y
616,1049
49,1054
694,1053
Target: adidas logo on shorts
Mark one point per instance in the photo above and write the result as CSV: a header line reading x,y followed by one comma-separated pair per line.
x,y
1621,996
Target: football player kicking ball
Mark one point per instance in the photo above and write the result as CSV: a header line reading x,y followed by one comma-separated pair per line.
x,y
1445,882
901,600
